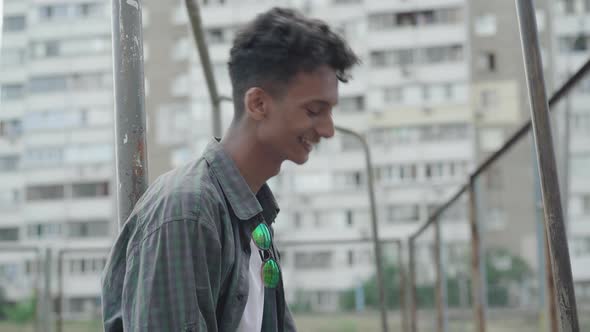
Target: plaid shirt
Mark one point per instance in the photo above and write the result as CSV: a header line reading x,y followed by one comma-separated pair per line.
x,y
181,261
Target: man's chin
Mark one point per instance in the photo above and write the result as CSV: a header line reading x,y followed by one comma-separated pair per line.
x,y
300,160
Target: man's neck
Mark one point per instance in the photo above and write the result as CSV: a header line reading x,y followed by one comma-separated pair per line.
x,y
253,163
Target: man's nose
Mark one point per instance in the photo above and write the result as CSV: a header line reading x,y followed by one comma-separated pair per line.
x,y
325,127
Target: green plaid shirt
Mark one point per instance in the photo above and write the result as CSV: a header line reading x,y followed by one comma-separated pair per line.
x,y
181,261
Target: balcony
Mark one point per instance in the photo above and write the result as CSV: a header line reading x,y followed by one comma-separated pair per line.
x,y
75,209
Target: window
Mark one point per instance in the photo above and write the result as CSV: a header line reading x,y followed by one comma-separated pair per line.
x,y
95,228
345,2
88,153
89,81
297,218
485,25
581,246
71,47
88,10
45,192
586,204
12,57
9,198
11,128
350,258
349,179
487,61
402,213
349,218
569,6
9,163
493,178
426,92
408,172
84,190
44,231
489,98
393,95
50,48
47,84
53,12
350,143
46,156
12,92
313,260
215,35
8,234
14,23
580,164
442,54
382,21
434,170
352,104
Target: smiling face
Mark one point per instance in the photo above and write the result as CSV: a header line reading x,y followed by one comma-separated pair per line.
x,y
288,126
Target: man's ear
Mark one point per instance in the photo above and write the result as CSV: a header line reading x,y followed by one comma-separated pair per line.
x,y
256,103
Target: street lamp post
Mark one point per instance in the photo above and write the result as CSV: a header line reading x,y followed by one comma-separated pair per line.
x,y
375,229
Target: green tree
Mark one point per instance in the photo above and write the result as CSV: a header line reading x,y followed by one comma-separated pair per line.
x,y
502,270
21,312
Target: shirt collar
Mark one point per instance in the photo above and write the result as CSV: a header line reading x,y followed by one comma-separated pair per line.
x,y
244,203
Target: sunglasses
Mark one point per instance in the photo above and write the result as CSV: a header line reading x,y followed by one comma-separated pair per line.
x,y
271,273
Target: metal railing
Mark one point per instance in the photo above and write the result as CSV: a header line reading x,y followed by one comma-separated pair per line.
x,y
129,74
557,246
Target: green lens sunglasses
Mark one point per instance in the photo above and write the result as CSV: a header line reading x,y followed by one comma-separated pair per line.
x,y
270,268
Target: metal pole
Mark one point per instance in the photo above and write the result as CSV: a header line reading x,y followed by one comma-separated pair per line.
x,y
476,263
546,281
194,14
36,290
566,162
375,229
130,133
440,313
441,298
403,305
413,293
59,299
547,167
550,284
47,301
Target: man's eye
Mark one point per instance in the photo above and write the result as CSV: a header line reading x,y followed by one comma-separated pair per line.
x,y
311,113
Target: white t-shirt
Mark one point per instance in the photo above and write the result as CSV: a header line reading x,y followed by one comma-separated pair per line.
x,y
252,317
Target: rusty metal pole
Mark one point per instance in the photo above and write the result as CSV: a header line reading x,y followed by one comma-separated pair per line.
x,y
477,279
47,298
550,284
403,302
413,292
194,14
129,89
547,303
440,305
374,224
554,222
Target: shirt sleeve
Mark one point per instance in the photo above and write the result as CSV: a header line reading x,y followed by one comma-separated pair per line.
x,y
173,279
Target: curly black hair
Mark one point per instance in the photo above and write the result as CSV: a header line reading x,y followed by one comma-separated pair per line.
x,y
279,43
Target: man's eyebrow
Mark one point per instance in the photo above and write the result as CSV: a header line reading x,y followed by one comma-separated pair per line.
x,y
322,103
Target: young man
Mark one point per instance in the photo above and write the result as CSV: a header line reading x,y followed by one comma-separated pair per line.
x,y
197,252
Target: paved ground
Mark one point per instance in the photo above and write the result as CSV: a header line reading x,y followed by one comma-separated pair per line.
x,y
498,321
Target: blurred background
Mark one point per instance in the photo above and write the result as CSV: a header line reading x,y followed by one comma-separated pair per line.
x,y
441,87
